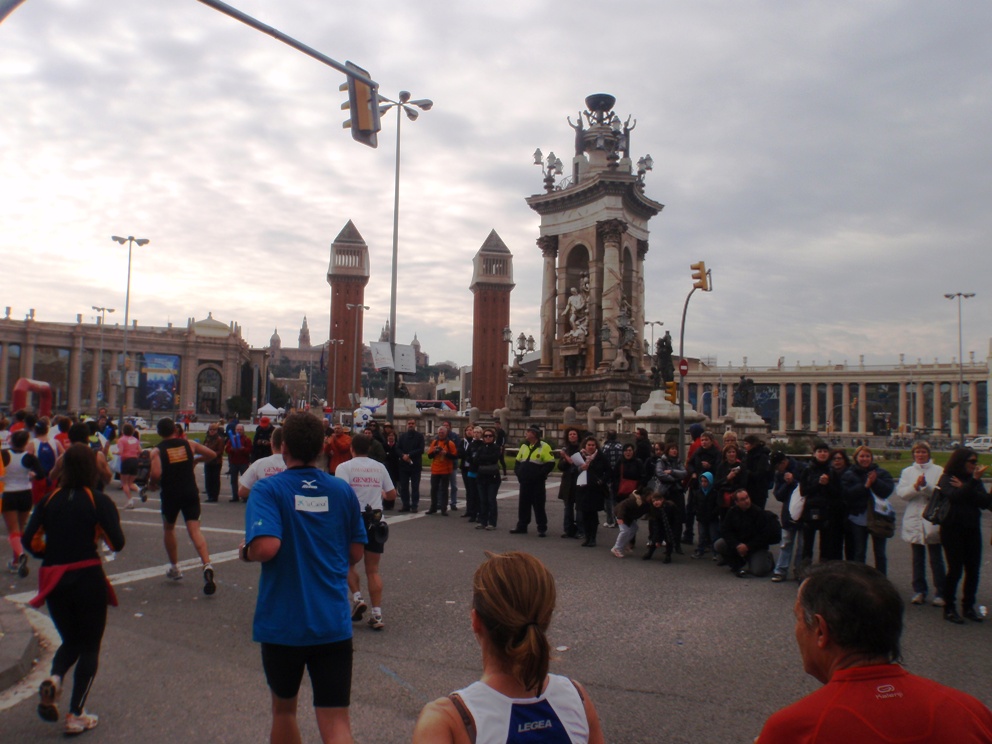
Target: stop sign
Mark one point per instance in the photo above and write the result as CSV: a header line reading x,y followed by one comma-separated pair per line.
x,y
683,367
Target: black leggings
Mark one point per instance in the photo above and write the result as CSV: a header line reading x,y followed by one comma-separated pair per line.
x,y
963,549
78,606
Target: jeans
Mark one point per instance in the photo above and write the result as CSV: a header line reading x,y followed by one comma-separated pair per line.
x,y
856,546
758,563
439,492
471,495
453,481
709,533
488,487
626,535
936,555
792,544
409,487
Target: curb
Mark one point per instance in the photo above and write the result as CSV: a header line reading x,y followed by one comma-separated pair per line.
x,y
18,645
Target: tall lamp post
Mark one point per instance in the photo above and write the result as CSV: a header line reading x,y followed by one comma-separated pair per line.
x,y
99,364
335,342
410,108
130,240
960,296
358,351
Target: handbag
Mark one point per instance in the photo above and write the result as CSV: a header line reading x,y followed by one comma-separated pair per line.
x,y
627,486
937,507
881,519
797,504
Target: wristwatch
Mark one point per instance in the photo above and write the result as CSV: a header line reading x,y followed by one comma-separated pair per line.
x,y
244,553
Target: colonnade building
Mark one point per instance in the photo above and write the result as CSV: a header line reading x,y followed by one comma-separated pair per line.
x,y
195,367
911,397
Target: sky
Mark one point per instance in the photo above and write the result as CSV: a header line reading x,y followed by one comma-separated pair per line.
x,y
829,161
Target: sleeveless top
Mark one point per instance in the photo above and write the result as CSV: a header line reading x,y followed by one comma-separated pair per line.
x,y
177,468
557,716
17,477
128,447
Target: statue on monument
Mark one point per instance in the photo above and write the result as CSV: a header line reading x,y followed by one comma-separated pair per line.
x,y
744,394
663,369
577,311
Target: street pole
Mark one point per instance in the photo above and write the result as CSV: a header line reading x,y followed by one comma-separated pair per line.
x,y
402,105
99,363
960,296
359,309
130,240
703,281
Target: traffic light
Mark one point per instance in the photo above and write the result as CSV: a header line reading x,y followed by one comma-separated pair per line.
x,y
700,279
672,391
363,103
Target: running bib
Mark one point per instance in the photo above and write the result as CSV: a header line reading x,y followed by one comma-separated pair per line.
x,y
311,503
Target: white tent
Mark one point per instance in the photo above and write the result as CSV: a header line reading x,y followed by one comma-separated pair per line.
x,y
269,410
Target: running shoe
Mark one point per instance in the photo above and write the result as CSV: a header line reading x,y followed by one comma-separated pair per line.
x,y
939,602
22,565
48,708
143,493
209,587
358,608
617,553
918,598
375,621
12,567
78,724
778,578
175,573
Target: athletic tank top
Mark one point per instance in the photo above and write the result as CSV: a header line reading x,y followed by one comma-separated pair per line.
x,y
16,477
177,468
128,447
557,716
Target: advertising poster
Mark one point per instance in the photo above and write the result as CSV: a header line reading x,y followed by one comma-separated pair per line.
x,y
159,382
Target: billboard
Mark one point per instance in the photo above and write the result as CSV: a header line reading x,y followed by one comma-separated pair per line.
x,y
159,382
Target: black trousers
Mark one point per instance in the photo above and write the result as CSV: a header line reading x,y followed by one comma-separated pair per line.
x,y
963,549
532,496
211,480
78,606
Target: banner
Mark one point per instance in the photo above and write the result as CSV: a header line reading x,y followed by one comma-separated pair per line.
x,y
159,382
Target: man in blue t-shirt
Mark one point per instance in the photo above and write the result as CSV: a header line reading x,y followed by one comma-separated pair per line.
x,y
305,528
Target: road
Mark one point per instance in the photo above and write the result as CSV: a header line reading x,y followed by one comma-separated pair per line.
x,y
678,653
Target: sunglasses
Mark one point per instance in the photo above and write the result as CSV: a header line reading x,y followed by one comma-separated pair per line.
x,y
972,462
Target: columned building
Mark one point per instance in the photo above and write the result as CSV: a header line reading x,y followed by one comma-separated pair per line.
x,y
194,367
852,399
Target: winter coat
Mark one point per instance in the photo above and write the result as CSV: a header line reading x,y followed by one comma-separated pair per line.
x,y
967,503
631,508
782,490
857,495
706,506
915,529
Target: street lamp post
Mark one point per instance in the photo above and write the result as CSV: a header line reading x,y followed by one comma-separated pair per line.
x,y
358,350
335,342
410,108
130,240
960,296
653,323
99,363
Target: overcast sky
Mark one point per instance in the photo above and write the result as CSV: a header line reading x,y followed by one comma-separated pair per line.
x,y
829,161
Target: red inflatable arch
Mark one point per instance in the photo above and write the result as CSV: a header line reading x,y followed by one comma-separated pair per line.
x,y
42,389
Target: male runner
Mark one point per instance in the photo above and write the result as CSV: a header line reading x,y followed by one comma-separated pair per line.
x,y
370,481
172,464
304,527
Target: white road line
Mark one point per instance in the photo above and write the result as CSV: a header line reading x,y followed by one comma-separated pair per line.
x,y
49,640
223,530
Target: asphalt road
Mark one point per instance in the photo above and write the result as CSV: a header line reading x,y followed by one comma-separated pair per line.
x,y
678,653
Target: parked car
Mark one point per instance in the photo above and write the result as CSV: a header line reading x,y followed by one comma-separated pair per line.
x,y
979,444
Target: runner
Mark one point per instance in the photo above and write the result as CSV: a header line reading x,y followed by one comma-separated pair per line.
x,y
172,468
370,481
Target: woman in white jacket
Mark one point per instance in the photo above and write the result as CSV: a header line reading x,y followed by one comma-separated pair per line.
x,y
915,486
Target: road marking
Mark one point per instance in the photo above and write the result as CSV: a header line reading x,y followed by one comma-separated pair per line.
x,y
49,640
140,574
223,530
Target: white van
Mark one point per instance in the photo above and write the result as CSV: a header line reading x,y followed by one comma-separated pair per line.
x,y
980,444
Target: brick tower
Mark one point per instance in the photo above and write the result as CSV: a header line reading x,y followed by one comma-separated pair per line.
x,y
348,273
492,281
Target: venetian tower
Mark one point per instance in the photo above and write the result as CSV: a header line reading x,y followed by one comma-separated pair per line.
x,y
594,240
348,273
492,281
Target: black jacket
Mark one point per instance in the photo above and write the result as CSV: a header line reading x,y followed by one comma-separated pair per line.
x,y
754,527
967,503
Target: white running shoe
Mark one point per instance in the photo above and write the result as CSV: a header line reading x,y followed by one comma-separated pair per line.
x,y
375,621
358,608
175,573
78,724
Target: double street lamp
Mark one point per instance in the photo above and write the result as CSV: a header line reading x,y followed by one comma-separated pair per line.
x,y
99,362
358,351
410,108
130,240
960,296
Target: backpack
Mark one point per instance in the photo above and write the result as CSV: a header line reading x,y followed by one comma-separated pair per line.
x,y
46,457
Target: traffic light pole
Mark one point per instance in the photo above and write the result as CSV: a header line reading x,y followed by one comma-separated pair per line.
x,y
299,46
703,281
